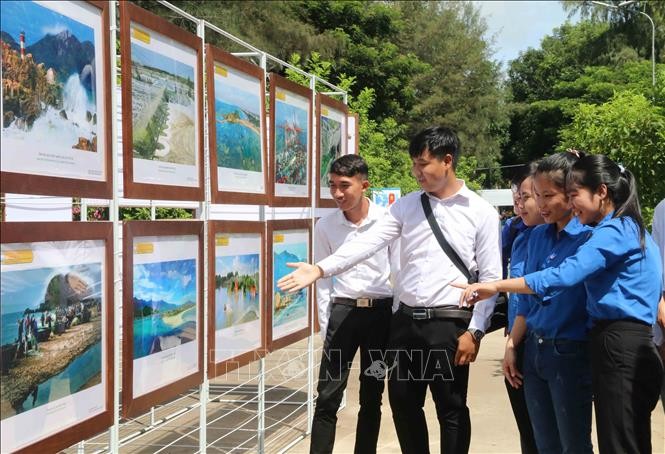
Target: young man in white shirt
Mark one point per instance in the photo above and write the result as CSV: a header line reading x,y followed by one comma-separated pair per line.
x,y
354,310
428,331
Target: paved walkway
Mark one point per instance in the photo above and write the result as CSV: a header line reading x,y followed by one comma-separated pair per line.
x,y
493,426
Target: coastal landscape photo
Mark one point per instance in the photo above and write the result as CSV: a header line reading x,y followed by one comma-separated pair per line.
x,y
331,145
163,108
164,305
291,132
237,127
48,79
237,290
287,307
51,335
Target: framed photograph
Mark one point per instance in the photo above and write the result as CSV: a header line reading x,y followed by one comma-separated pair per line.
x,y
162,115
57,334
331,130
237,129
236,322
56,98
291,143
289,315
162,350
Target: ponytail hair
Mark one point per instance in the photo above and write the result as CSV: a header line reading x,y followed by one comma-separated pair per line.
x,y
593,170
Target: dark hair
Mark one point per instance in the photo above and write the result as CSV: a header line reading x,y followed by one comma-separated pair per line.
x,y
522,173
438,140
593,170
349,165
557,167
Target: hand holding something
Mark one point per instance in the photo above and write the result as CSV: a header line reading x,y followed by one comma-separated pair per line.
x,y
304,275
472,293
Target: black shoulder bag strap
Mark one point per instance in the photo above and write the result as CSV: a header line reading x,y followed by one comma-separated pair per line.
x,y
447,248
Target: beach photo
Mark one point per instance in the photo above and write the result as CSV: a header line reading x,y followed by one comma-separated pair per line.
x,y
51,334
163,108
236,290
287,307
291,136
237,126
164,305
331,145
49,86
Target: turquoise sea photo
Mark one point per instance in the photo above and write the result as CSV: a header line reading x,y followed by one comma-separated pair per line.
x,y
164,305
287,307
237,127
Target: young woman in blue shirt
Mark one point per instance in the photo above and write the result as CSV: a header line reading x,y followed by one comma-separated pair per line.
x,y
557,373
513,362
621,271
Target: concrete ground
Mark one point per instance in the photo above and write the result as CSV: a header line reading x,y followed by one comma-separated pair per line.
x,y
232,417
493,425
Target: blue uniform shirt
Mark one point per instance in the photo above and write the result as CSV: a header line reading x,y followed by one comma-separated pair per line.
x,y
622,281
517,262
509,232
549,248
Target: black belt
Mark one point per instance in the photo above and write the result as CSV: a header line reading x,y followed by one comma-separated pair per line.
x,y
364,302
426,313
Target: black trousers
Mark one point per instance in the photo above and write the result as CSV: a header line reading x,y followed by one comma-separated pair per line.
x,y
424,355
627,373
518,404
350,328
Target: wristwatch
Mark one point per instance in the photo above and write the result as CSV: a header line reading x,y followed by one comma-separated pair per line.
x,y
476,333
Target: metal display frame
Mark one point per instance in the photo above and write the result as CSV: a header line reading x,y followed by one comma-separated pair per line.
x,y
278,408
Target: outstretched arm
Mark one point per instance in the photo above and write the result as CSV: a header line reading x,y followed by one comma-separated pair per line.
x,y
472,293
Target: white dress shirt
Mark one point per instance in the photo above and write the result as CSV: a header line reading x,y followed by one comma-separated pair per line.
x,y
469,223
658,233
368,279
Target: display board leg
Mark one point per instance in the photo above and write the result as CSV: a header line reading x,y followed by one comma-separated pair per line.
x,y
261,389
114,432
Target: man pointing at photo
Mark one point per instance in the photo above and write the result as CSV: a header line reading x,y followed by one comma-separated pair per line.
x,y
428,330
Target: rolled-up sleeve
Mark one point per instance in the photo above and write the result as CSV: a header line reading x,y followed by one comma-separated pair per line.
x,y
608,243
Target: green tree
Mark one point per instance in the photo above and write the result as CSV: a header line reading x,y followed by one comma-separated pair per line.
x,y
460,86
629,129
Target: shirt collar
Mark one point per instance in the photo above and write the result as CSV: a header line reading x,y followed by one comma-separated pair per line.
x,y
373,213
573,227
607,217
463,191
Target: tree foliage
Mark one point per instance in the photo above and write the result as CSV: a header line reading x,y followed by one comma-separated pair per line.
x,y
406,64
589,86
631,131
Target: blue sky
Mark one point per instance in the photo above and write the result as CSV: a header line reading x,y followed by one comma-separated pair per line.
x,y
26,289
244,264
37,21
173,282
155,60
518,25
235,96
